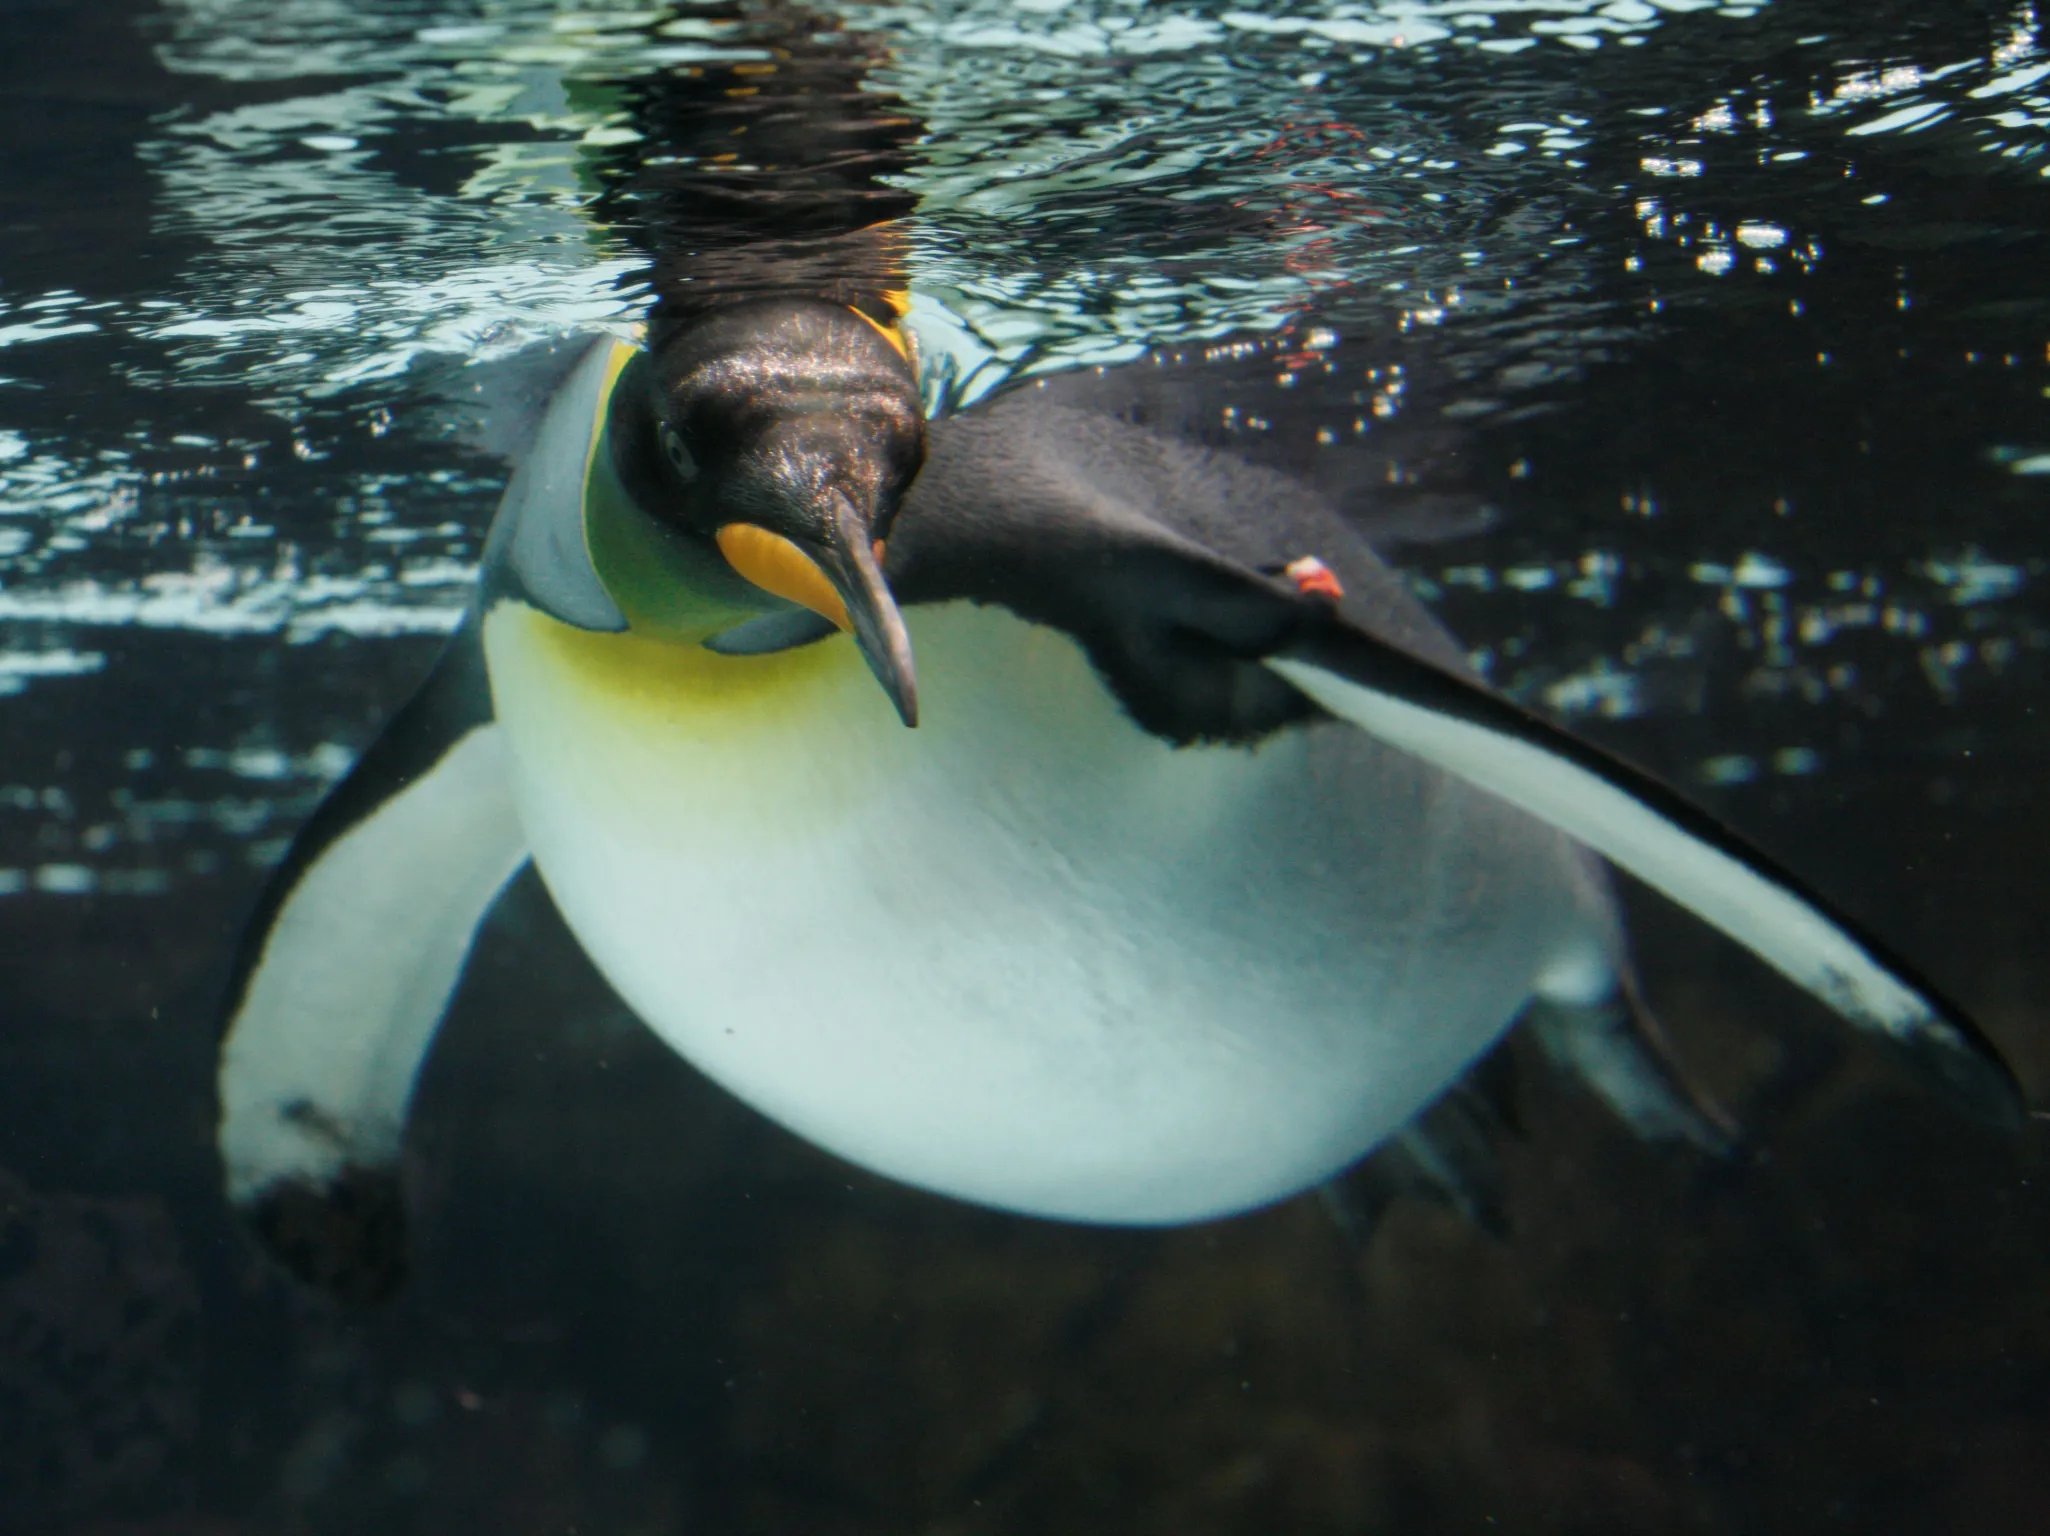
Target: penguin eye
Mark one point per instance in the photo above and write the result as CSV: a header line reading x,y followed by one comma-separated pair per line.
x,y
678,455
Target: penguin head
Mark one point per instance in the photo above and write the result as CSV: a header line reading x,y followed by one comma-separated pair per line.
x,y
784,434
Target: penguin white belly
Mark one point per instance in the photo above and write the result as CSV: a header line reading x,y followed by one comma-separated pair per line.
x,y
1027,954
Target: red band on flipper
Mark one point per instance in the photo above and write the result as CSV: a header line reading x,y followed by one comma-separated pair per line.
x,y
1313,578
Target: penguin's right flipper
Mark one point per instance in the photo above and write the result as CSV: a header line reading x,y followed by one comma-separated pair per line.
x,y
347,968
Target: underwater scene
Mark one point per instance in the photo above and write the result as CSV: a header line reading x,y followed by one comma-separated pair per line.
x,y
965,767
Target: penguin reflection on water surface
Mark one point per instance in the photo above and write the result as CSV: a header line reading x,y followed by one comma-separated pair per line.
x,y
1203,873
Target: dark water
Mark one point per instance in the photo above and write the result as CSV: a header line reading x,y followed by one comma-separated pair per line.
x,y
1700,378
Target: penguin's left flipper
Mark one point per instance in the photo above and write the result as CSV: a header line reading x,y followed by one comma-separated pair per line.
x,y
344,976
1643,827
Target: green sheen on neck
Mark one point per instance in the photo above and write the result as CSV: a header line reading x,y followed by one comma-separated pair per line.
x,y
669,586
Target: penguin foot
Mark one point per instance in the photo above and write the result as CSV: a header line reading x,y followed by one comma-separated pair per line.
x,y
1616,1048
1446,1156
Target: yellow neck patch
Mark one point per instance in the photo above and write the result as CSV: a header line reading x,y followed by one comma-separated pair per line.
x,y
634,677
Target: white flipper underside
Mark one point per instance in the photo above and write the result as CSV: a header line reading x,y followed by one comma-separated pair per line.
x,y
1776,924
356,971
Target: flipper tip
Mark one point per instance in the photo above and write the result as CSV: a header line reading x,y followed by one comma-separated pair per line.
x,y
345,1237
1970,1071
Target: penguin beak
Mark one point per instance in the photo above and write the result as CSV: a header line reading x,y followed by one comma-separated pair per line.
x,y
839,577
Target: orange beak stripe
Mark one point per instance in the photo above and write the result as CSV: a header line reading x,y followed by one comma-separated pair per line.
x,y
776,565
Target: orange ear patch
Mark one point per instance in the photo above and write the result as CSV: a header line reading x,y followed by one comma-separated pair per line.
x,y
776,565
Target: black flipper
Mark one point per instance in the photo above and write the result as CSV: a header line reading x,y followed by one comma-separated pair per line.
x,y
348,966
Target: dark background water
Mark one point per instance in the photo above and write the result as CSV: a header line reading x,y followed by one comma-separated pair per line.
x,y
639,1308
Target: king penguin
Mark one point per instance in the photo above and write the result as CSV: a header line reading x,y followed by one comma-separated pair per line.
x,y
1207,866
1018,804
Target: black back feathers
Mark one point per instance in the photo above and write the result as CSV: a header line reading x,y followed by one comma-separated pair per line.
x,y
1161,558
